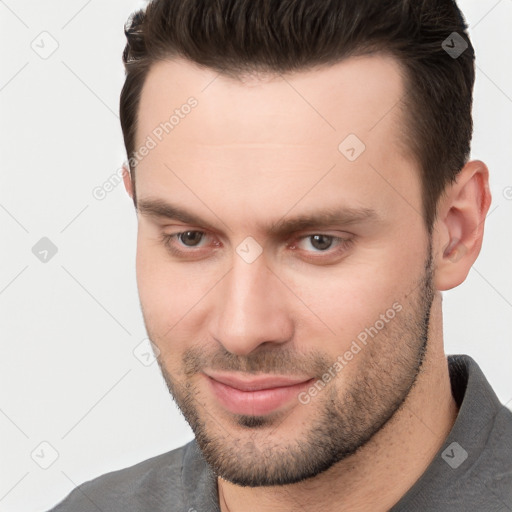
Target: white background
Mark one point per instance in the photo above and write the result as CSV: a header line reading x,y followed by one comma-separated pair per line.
x,y
69,326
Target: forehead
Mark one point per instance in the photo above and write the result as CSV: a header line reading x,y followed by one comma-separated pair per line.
x,y
356,95
272,139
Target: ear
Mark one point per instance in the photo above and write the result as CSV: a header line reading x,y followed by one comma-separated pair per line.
x,y
127,181
459,227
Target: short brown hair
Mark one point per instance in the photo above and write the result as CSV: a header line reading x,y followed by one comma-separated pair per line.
x,y
243,37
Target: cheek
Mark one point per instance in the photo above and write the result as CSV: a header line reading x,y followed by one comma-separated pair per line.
x,y
347,299
171,294
162,290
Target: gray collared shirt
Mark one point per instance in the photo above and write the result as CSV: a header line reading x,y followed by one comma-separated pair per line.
x,y
471,472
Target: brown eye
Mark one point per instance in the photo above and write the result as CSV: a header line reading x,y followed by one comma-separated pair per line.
x,y
322,248
190,238
321,242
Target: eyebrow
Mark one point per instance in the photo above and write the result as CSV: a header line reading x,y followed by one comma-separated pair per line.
x,y
342,216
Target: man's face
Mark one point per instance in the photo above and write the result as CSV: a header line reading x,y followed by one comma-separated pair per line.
x,y
287,345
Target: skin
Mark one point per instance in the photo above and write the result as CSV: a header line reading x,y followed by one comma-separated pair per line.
x,y
265,149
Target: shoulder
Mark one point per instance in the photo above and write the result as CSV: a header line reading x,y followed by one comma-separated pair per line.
x,y
152,484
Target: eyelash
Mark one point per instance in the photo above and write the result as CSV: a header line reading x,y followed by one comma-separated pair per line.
x,y
343,244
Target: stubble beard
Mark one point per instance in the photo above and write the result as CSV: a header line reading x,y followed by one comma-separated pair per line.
x,y
244,450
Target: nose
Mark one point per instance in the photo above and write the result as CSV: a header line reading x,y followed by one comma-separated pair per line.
x,y
251,308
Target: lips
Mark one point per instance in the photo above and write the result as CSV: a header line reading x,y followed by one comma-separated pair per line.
x,y
259,395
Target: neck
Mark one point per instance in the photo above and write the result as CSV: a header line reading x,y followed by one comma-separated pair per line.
x,y
381,471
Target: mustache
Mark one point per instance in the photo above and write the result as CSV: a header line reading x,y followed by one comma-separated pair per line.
x,y
278,361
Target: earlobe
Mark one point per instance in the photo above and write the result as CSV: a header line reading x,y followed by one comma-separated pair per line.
x,y
460,226
127,181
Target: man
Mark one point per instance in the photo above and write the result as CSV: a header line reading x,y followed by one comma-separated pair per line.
x,y
301,178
